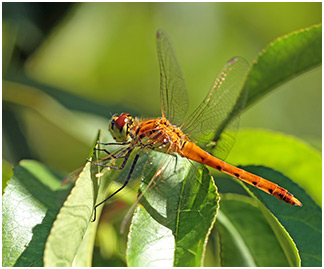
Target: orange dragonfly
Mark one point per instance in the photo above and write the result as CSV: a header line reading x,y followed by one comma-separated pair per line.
x,y
216,120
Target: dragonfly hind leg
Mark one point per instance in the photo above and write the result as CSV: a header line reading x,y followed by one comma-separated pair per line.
x,y
123,186
176,161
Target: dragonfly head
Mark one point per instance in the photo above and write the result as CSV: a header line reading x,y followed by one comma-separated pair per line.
x,y
119,127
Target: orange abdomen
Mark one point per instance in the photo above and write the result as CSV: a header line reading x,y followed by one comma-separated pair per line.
x,y
195,153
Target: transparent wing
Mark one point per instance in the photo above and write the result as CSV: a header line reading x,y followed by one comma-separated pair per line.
x,y
213,125
173,91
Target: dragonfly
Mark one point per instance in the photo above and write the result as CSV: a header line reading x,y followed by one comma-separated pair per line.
x,y
210,128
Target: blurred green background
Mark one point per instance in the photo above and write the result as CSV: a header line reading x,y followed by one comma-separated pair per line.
x,y
68,67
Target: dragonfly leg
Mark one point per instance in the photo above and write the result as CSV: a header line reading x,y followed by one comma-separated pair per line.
x,y
118,156
127,152
176,161
124,185
113,143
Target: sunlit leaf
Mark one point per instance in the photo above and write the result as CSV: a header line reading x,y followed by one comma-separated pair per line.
x,y
173,222
30,204
72,236
72,223
71,239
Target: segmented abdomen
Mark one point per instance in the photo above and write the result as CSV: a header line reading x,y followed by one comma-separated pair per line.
x,y
195,153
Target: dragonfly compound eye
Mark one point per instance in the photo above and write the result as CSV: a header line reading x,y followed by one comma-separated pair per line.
x,y
119,127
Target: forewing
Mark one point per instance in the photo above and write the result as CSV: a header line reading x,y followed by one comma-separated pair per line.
x,y
213,125
173,92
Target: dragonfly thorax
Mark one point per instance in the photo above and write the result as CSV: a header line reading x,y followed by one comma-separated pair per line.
x,y
158,134
120,126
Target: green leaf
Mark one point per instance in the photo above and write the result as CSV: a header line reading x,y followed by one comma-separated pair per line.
x,y
283,59
246,238
178,209
304,224
30,204
7,173
71,239
72,224
287,154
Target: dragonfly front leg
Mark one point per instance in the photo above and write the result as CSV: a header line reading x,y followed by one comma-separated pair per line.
x,y
124,185
112,144
127,153
118,156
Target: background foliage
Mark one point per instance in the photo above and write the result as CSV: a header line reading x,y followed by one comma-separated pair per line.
x,y
68,67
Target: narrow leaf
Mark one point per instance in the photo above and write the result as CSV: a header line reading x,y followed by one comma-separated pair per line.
x,y
283,59
71,239
72,236
71,223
